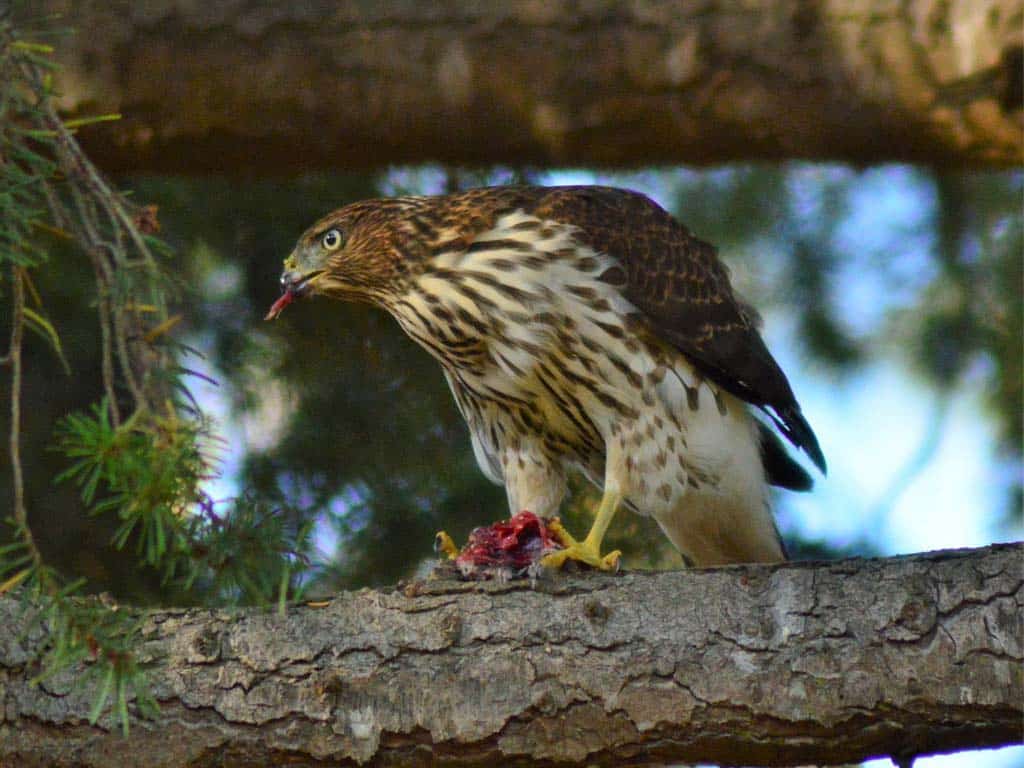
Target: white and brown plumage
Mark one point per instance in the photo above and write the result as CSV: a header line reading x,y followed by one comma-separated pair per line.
x,y
581,328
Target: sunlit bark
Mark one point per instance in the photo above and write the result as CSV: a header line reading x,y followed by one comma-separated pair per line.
x,y
270,87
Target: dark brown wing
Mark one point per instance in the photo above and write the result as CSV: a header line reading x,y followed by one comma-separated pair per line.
x,y
683,289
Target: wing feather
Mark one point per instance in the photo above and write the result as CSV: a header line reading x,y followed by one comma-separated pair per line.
x,y
681,286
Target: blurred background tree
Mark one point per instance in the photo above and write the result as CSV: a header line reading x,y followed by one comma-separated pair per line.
x,y
334,413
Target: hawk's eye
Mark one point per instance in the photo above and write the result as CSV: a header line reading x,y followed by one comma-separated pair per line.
x,y
331,240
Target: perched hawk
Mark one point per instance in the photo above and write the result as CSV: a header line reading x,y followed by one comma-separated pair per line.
x,y
581,328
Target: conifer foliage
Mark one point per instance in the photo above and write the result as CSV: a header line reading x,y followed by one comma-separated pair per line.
x,y
143,453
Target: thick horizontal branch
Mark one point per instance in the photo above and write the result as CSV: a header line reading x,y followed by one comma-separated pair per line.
x,y
269,87
750,665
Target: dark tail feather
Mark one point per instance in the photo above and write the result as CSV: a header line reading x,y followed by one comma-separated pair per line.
x,y
779,467
794,426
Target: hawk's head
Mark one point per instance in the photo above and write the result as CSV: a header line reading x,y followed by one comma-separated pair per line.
x,y
356,253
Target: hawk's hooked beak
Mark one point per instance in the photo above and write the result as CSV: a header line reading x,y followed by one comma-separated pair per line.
x,y
294,285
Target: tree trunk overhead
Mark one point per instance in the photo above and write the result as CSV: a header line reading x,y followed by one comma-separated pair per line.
x,y
270,87
749,665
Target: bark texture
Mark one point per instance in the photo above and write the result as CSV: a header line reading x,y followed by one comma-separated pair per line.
x,y
750,665
271,87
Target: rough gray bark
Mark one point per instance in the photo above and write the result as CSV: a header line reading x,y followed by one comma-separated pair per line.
x,y
271,87
749,665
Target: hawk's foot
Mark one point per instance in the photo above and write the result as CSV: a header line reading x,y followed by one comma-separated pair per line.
x,y
587,551
444,546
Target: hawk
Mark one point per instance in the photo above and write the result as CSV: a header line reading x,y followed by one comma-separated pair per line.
x,y
582,328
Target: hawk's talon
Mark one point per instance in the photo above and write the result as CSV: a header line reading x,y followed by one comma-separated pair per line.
x,y
558,531
444,546
583,554
586,551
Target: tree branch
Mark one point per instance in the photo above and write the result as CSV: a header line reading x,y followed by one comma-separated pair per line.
x,y
752,665
222,86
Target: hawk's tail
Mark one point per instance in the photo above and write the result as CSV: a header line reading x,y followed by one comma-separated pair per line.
x,y
794,426
781,469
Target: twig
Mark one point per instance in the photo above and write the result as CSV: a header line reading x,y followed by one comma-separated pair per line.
x,y
118,330
14,357
103,298
107,197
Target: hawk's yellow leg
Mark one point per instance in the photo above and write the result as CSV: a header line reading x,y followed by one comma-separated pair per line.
x,y
589,550
444,545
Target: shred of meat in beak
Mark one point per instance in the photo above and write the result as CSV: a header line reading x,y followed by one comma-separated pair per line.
x,y
278,306
293,289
